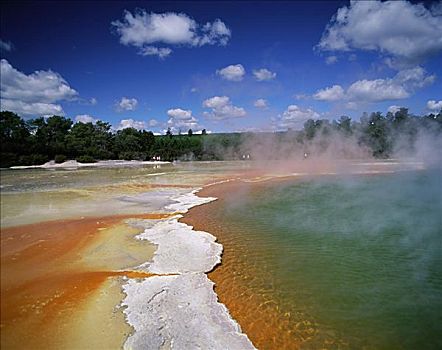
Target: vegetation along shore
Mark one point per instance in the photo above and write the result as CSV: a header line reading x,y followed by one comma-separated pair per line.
x,y
36,141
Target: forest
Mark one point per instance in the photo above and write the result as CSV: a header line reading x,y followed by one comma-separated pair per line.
x,y
36,141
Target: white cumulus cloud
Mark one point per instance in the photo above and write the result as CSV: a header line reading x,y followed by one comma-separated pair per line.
x,y
401,86
153,123
393,109
126,104
406,31
31,109
264,74
434,105
142,29
215,33
85,118
182,120
334,93
222,108
294,117
234,72
36,94
130,123
260,103
377,90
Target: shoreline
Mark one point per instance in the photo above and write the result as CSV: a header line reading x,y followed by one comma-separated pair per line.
x,y
183,307
102,163
307,166
267,325
172,273
195,217
260,317
51,286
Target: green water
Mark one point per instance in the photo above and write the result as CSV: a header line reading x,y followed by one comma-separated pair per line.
x,y
360,255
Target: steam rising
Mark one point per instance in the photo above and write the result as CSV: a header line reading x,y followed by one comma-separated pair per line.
x,y
334,146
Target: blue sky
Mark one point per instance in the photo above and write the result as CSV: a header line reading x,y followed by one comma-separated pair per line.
x,y
223,66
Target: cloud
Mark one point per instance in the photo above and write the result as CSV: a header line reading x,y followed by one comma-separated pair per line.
x,y
179,113
376,90
222,108
331,60
294,117
130,123
334,93
264,74
85,118
31,109
161,52
234,72
260,103
35,94
126,104
401,86
406,31
152,123
6,45
142,29
87,101
301,96
215,33
434,105
182,120
393,109
352,105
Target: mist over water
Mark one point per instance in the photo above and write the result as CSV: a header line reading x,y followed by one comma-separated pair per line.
x,y
333,146
359,255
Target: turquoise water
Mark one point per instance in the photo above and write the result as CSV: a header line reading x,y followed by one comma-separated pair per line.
x,y
360,255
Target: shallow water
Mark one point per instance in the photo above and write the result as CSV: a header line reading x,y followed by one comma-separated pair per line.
x,y
34,195
325,262
359,258
68,244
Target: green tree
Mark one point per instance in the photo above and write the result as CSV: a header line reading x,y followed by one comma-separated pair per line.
x,y
310,129
376,135
14,138
50,135
91,140
130,144
344,125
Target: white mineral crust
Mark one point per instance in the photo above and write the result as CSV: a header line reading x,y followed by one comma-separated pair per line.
x,y
187,201
179,310
180,248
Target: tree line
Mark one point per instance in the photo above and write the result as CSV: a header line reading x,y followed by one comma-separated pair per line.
x,y
36,141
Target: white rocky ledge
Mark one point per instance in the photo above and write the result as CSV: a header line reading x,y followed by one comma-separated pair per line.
x,y
179,312
180,309
180,248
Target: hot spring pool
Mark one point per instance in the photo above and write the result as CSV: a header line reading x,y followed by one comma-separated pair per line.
x,y
359,256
